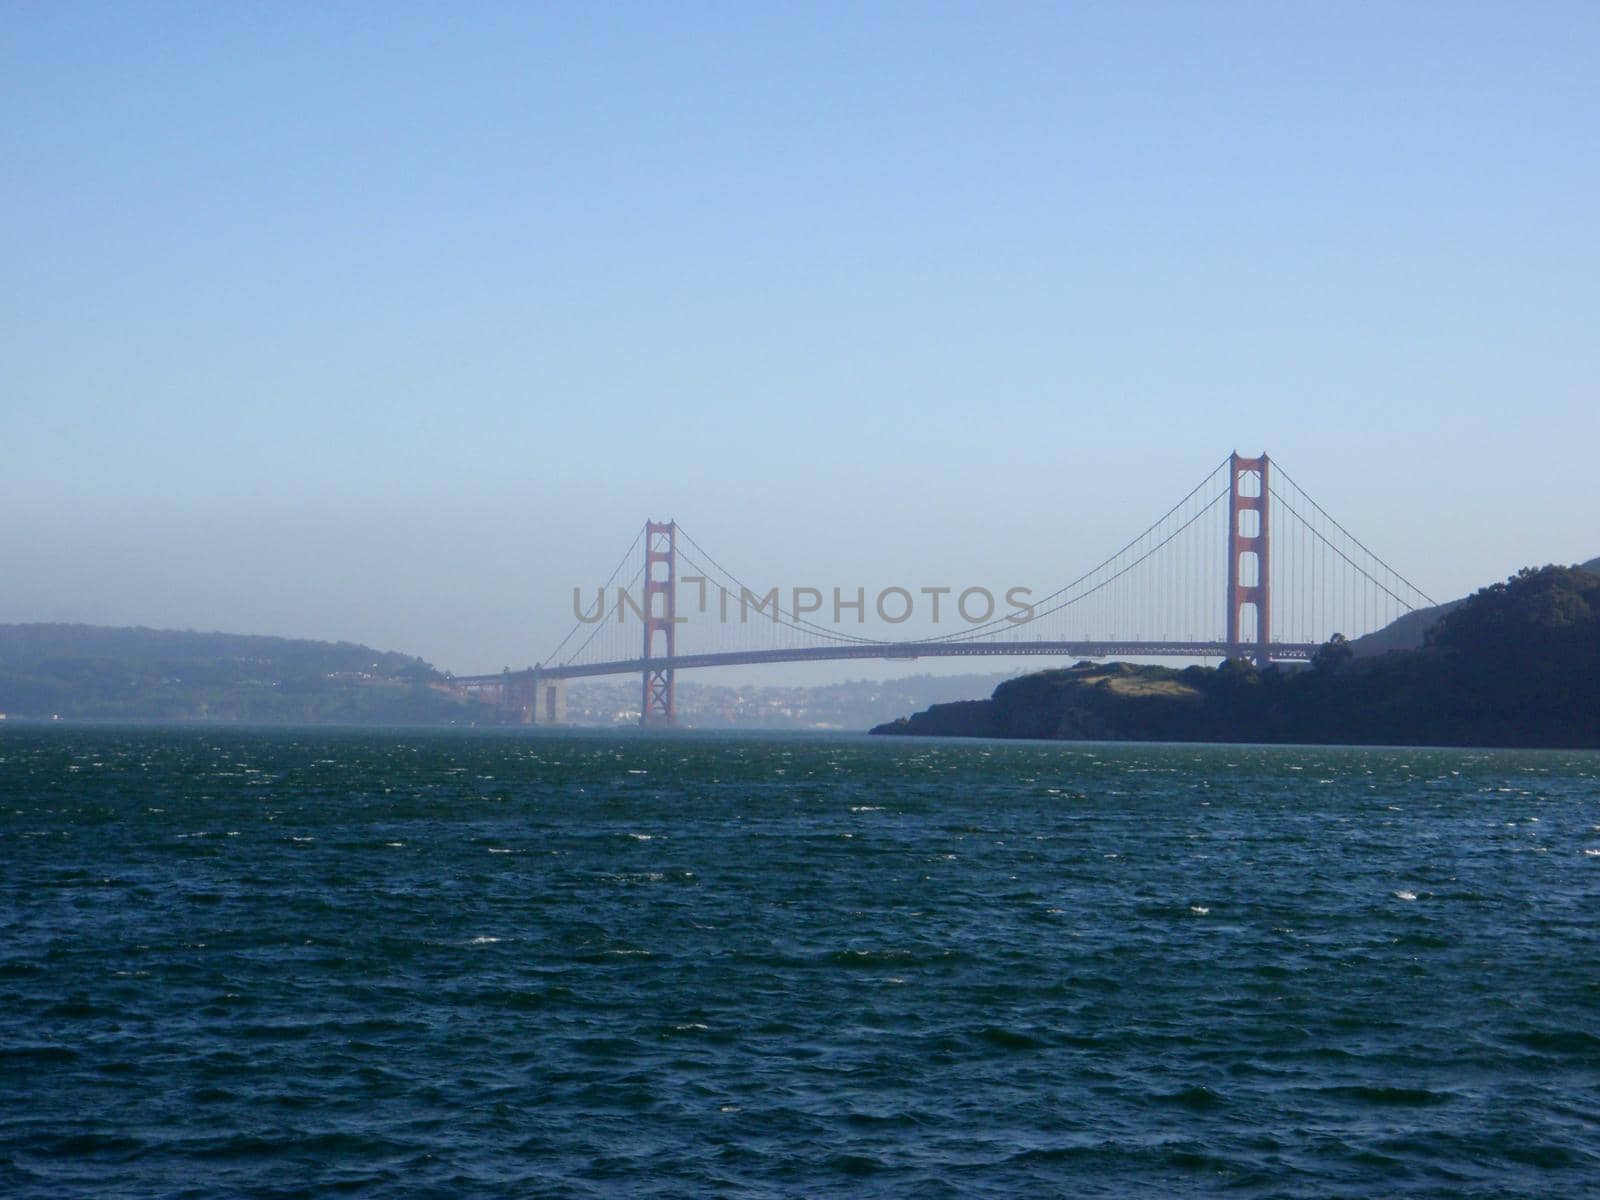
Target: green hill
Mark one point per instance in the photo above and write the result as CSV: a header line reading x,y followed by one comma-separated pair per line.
x,y
1410,630
158,674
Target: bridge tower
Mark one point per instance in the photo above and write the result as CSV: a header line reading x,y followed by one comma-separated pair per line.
x,y
660,617
1249,546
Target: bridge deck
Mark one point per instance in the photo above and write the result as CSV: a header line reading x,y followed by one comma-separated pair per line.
x,y
1282,651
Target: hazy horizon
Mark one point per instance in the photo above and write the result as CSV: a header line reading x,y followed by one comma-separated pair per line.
x,y
393,325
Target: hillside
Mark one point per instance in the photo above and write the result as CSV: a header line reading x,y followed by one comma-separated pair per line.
x,y
1410,630
156,674
1516,664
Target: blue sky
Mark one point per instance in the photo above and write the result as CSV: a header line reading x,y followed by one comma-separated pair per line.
x,y
392,322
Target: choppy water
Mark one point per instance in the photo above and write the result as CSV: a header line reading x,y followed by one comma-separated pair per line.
x,y
300,963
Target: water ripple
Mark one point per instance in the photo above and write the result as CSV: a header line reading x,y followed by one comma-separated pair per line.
x,y
251,963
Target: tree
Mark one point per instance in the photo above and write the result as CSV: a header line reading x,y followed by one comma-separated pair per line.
x,y
1333,655
1235,673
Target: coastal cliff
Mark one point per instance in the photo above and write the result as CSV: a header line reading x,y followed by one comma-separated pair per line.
x,y
1516,664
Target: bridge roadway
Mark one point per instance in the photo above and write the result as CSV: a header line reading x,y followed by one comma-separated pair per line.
x,y
1284,651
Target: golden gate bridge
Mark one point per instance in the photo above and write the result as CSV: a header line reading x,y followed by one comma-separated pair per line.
x,y
1246,565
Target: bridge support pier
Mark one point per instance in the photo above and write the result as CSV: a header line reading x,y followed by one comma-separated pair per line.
x,y
1249,562
548,704
516,699
528,699
660,617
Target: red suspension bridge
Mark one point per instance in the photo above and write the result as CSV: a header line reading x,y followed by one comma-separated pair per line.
x,y
1246,565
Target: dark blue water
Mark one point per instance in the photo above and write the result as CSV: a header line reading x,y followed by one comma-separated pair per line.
x,y
379,964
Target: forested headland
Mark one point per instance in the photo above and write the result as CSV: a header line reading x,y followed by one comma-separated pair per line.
x,y
1515,664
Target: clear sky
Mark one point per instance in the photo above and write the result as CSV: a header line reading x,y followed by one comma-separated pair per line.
x,y
392,322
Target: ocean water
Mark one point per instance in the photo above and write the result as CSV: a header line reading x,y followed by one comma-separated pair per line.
x,y
312,963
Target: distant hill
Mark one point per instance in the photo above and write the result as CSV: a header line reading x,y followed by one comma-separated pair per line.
x,y
161,674
1406,632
